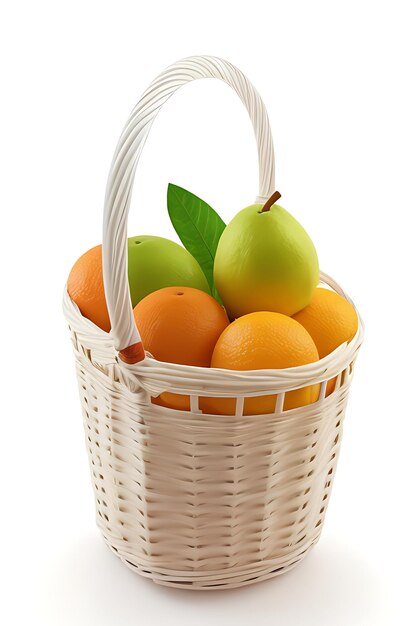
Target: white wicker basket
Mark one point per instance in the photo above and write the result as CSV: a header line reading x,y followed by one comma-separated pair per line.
x,y
188,499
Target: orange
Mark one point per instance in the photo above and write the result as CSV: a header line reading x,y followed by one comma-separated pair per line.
x,y
331,320
86,288
180,325
263,340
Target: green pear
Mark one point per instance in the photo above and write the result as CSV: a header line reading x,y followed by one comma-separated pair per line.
x,y
155,262
265,261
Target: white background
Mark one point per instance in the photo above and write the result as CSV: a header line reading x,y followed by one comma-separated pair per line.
x,y
339,82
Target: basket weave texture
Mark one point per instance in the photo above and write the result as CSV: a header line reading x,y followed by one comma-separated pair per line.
x,y
189,499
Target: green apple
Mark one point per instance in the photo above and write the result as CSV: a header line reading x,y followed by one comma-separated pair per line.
x,y
265,261
155,262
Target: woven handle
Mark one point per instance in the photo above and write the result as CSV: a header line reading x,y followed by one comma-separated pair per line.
x,y
122,172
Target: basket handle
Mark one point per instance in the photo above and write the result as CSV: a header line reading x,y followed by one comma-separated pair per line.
x,y
122,172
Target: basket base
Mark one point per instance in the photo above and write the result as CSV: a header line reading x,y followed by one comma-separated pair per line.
x,y
218,580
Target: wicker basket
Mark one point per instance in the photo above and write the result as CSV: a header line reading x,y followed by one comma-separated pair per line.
x,y
188,499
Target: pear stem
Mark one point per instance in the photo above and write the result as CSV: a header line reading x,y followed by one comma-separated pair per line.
x,y
275,196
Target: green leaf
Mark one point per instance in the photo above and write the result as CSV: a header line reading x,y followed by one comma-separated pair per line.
x,y
198,226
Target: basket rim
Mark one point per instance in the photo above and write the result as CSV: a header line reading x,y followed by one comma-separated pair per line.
x,y
157,376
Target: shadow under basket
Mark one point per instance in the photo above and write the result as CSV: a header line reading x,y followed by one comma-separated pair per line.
x,y
190,499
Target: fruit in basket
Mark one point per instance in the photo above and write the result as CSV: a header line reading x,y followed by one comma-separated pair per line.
x,y
263,340
153,263
85,287
180,325
330,320
156,262
265,261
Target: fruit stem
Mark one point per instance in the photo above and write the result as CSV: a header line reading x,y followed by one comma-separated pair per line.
x,y
275,196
